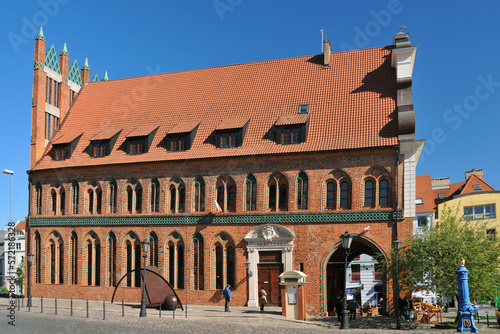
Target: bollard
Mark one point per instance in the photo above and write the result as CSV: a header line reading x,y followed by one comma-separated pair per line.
x,y
103,310
160,310
173,313
186,311
123,309
41,305
18,303
87,308
71,307
56,305
29,307
22,301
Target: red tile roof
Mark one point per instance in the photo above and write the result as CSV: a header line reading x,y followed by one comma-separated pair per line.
x,y
143,130
105,134
292,119
21,226
228,124
351,105
424,191
183,127
473,180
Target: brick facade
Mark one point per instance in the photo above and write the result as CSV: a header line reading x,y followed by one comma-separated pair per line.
x,y
72,210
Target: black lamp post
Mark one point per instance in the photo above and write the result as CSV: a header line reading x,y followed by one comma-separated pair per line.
x,y
30,259
397,246
145,249
346,240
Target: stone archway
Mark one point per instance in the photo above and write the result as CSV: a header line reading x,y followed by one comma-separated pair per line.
x,y
267,238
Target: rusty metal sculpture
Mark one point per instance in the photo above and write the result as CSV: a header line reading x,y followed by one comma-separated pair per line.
x,y
158,289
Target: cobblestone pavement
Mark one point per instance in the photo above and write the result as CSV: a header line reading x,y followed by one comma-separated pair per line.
x,y
200,319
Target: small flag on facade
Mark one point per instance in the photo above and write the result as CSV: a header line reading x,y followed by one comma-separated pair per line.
x,y
219,209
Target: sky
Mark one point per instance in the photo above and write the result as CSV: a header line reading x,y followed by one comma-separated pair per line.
x,y
456,78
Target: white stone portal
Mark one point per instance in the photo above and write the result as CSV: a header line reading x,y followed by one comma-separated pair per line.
x,y
267,237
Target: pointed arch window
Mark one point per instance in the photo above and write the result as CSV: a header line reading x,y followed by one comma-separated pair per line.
x,y
155,196
182,198
137,257
38,258
113,194
62,199
153,250
369,192
173,193
225,262
199,195
128,249
176,261
112,259
219,273
199,262
331,192
91,201
344,195
98,200
302,191
251,193
74,258
278,192
53,196
138,198
384,192
52,262
130,199
89,263
38,189
75,200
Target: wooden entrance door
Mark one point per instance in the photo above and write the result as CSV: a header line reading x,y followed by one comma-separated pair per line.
x,y
269,280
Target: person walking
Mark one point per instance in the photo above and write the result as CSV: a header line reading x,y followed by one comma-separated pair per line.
x,y
262,299
227,296
353,307
338,307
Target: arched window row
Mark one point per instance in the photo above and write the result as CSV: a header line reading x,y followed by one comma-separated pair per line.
x,y
100,260
177,196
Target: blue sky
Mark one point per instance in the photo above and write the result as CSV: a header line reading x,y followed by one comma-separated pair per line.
x,y
456,82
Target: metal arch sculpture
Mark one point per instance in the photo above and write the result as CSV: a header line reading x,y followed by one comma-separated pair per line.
x,y
151,271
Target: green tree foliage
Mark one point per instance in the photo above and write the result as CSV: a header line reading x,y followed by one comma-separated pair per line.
x,y
429,261
20,273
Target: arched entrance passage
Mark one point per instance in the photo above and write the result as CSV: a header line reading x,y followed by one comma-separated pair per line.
x,y
269,248
332,270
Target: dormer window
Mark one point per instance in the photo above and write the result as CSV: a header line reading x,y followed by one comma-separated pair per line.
x,y
63,146
61,152
102,143
441,195
476,187
230,133
181,136
137,145
303,108
139,140
100,148
291,129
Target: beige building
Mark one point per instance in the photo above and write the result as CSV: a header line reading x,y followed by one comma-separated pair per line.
x,y
474,198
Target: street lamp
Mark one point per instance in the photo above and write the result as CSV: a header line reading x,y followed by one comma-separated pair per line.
x,y
397,246
145,249
346,240
249,272
11,173
30,259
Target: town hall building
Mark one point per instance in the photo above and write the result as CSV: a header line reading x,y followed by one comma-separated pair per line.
x,y
234,174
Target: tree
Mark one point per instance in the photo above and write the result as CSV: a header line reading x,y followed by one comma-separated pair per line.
x,y
20,275
429,261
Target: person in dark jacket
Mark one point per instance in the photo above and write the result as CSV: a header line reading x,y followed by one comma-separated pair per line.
x,y
227,297
338,307
353,307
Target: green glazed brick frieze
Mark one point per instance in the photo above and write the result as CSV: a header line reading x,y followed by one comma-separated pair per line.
x,y
74,73
220,220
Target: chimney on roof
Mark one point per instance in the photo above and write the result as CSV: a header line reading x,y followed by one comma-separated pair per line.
x,y
326,54
443,182
477,172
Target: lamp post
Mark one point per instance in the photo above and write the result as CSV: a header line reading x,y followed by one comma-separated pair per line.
x,y
397,246
11,173
30,259
346,240
145,249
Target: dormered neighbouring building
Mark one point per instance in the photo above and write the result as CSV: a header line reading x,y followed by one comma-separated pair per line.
x,y
474,198
12,254
263,163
